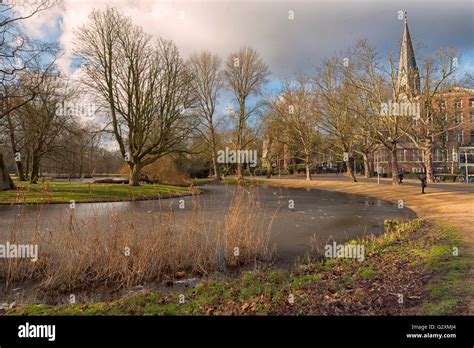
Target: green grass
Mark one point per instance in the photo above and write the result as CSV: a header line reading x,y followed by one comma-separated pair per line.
x,y
409,252
447,289
64,192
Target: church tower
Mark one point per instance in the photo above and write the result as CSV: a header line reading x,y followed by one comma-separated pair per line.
x,y
408,77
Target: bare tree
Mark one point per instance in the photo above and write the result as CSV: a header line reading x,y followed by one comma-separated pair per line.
x,y
378,87
17,53
43,120
275,140
336,105
296,111
245,73
206,83
145,86
434,121
11,126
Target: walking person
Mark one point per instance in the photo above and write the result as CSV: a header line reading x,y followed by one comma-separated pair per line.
x,y
400,178
422,178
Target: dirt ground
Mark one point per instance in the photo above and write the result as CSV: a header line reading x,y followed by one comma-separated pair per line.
x,y
453,207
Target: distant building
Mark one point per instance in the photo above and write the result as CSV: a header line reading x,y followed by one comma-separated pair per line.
x,y
454,149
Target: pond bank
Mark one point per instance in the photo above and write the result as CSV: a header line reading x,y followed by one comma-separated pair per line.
x,y
394,280
454,208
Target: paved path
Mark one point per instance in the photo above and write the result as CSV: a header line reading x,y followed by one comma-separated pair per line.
x,y
445,186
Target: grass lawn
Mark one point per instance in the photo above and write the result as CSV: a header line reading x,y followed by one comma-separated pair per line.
x,y
64,192
410,269
227,181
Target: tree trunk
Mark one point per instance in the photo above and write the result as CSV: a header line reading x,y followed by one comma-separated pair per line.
x,y
350,168
367,167
266,156
34,170
217,173
81,163
135,174
27,164
19,171
428,161
240,175
18,163
240,135
267,164
307,167
215,166
6,182
394,165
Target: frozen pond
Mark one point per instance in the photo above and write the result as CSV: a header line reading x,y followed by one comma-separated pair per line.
x,y
299,215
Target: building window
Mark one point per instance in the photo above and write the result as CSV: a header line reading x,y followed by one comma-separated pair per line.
x,y
413,155
457,104
400,155
471,114
457,118
418,155
472,136
466,156
437,155
471,102
381,156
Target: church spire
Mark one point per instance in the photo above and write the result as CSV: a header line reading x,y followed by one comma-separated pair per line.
x,y
408,77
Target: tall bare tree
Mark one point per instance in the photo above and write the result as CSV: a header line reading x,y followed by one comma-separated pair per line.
x,y
145,86
438,76
336,105
378,87
296,111
206,83
43,121
245,73
275,140
17,53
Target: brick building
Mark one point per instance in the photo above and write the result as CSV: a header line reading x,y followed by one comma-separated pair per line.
x,y
453,150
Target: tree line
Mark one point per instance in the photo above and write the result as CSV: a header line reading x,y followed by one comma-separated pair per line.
x,y
153,103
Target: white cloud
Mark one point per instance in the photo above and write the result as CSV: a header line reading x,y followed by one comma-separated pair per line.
x,y
319,28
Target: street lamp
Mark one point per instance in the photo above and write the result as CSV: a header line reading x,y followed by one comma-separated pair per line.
x,y
378,168
467,172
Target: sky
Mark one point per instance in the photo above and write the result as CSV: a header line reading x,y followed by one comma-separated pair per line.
x,y
291,36
318,28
